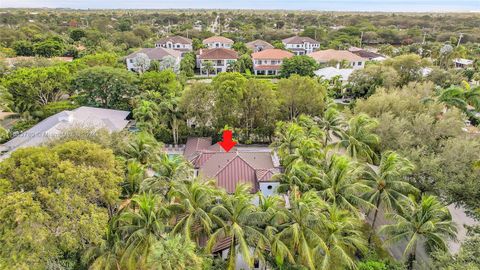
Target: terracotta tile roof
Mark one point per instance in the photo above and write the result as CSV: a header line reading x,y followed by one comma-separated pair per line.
x,y
299,40
217,54
217,39
259,43
275,54
174,39
156,53
337,55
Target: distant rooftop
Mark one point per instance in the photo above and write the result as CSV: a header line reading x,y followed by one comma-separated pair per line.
x,y
336,55
89,117
156,53
299,40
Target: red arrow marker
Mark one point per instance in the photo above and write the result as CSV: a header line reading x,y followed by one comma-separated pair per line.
x,y
227,144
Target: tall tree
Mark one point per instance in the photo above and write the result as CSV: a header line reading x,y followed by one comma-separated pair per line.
x,y
420,221
359,139
388,184
106,86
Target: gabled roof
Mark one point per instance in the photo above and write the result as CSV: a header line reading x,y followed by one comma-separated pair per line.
x,y
218,54
195,144
156,53
275,54
174,39
89,117
217,39
299,40
337,55
364,53
259,43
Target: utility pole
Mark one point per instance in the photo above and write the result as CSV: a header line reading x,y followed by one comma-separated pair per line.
x,y
424,37
460,39
361,39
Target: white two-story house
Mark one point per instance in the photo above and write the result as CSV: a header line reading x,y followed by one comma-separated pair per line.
x,y
218,42
218,59
167,58
176,43
301,45
269,62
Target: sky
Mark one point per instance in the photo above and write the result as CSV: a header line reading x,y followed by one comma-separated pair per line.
x,y
325,5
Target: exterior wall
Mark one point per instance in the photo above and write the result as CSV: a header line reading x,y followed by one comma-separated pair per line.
x,y
218,65
354,64
302,48
131,66
213,45
240,262
175,46
244,174
269,62
268,188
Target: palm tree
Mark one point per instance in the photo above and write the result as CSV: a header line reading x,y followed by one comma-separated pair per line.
x,y
453,97
288,138
168,169
343,237
174,253
171,112
134,176
332,123
301,231
141,228
108,254
359,139
191,200
341,184
208,66
299,175
142,147
472,96
386,183
424,221
146,115
235,220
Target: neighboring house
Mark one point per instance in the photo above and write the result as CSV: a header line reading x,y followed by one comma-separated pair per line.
x,y
176,43
221,59
301,45
331,72
254,166
55,125
259,45
218,42
327,56
158,54
269,62
462,63
372,56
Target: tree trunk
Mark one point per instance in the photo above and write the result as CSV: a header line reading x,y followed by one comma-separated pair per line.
x,y
412,258
377,205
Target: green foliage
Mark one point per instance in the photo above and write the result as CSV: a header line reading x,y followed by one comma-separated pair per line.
x,y
100,59
70,188
365,81
35,87
187,64
301,95
407,66
174,253
77,34
106,86
56,107
372,265
23,48
164,82
300,64
49,48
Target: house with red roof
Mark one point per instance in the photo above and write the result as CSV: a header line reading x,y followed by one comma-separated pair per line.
x,y
338,56
254,166
269,62
220,60
218,42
